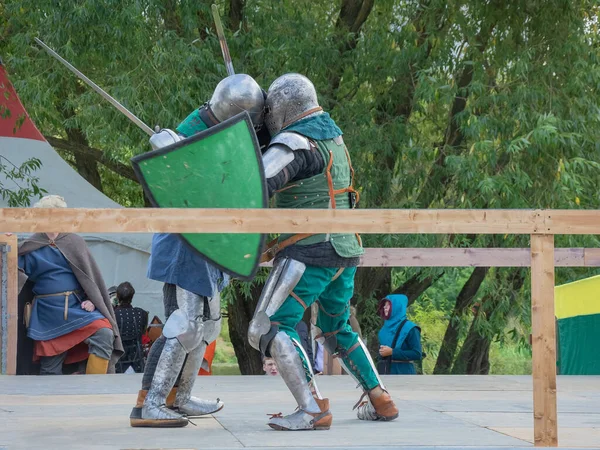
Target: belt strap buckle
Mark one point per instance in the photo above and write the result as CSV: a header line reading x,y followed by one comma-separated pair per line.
x,y
270,253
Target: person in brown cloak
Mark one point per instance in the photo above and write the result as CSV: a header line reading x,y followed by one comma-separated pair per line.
x,y
70,317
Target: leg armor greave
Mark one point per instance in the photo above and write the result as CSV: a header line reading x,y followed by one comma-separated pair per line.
x,y
187,323
183,332
292,371
308,370
329,341
184,402
282,280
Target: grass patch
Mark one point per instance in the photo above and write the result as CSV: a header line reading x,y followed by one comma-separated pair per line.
x,y
224,353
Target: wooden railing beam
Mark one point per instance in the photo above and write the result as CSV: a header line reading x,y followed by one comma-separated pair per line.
x,y
472,257
394,221
159,220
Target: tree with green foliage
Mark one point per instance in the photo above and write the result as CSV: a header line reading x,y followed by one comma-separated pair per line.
x,y
463,104
21,185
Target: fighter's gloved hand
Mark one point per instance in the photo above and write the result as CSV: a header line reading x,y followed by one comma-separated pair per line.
x,y
164,138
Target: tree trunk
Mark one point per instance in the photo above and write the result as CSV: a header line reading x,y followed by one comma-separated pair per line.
x,y
414,287
371,284
205,19
85,164
474,356
236,14
353,14
94,154
438,179
463,300
240,311
88,169
171,16
406,82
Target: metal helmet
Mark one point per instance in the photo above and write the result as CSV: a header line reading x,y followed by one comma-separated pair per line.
x,y
290,97
237,93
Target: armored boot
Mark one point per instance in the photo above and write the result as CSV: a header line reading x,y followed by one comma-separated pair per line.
x,y
313,413
379,406
302,420
154,411
184,403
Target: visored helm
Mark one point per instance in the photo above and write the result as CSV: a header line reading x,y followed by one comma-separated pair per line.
x,y
290,97
235,94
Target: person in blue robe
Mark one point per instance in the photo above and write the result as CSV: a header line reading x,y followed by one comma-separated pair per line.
x,y
407,346
67,311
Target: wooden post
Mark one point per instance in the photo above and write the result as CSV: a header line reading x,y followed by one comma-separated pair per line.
x,y
331,366
545,424
10,315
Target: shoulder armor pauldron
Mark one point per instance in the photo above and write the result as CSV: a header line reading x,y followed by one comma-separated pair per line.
x,y
293,141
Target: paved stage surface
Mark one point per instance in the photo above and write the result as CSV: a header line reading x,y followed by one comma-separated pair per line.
x,y
91,412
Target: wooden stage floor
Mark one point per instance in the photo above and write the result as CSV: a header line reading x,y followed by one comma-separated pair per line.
x,y
91,412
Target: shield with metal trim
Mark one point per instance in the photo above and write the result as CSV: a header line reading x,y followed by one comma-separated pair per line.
x,y
220,167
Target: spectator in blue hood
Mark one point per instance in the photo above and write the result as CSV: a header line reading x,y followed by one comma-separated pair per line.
x,y
399,338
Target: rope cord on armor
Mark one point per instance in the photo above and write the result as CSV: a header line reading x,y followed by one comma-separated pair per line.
x,y
345,355
338,273
354,347
328,334
350,189
298,299
285,188
358,375
330,180
332,315
360,401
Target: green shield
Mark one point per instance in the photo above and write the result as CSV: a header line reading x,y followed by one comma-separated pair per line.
x,y
217,168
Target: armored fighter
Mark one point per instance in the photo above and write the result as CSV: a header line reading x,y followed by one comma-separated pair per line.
x,y
191,284
307,165
200,165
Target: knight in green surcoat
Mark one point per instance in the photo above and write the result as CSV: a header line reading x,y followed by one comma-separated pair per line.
x,y
307,165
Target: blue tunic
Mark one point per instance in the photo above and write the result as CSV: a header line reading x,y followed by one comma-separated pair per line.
x,y
172,261
51,273
408,344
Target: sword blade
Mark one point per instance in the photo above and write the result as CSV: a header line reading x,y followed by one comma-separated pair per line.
x,y
222,41
98,89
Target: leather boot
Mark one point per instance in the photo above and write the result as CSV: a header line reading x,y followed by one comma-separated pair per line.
x,y
171,398
136,412
96,365
324,423
379,408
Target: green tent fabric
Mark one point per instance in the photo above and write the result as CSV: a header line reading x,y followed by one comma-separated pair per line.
x,y
578,326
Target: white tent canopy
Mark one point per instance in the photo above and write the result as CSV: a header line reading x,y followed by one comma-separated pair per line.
x,y
121,257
